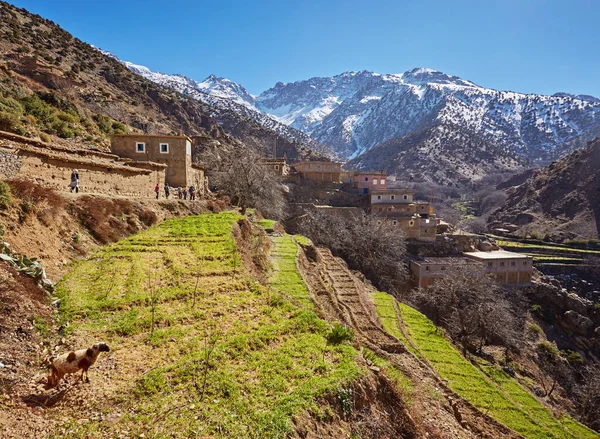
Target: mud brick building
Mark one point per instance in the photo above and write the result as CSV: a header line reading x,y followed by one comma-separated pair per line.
x,y
173,151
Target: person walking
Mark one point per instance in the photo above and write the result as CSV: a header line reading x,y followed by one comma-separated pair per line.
x,y
192,192
157,190
74,181
185,193
179,192
167,190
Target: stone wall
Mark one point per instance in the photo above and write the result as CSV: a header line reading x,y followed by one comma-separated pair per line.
x,y
97,175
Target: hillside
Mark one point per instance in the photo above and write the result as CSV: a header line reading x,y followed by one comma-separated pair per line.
x,y
561,200
55,87
445,154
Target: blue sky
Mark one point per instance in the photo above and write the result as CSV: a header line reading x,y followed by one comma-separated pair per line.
x,y
532,46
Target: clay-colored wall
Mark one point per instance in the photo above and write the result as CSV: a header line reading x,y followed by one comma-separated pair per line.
x,y
95,176
179,162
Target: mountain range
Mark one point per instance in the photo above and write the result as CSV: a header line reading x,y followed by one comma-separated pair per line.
x,y
424,121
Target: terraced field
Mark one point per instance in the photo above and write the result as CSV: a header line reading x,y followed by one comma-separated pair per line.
x,y
489,389
198,347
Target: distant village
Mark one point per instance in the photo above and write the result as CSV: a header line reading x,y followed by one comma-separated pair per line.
x,y
139,162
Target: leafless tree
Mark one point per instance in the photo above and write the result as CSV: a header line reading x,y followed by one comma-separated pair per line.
x,y
365,242
587,396
472,307
241,174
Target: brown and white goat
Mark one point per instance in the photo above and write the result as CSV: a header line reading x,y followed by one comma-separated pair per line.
x,y
74,361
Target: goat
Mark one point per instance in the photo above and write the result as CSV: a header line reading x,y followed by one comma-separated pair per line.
x,y
74,361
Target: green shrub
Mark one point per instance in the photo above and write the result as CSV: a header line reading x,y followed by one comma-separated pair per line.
x,y
45,138
43,111
572,357
534,328
9,122
339,333
548,349
5,195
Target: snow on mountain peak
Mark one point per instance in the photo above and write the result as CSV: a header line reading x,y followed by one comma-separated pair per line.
x,y
423,75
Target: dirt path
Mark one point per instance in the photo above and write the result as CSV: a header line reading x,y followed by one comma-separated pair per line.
x,y
342,296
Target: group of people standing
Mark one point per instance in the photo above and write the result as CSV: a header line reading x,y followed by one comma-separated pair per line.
x,y
182,193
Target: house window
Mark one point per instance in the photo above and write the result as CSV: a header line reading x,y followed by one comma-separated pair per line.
x,y
512,263
366,178
443,268
502,264
140,147
379,197
374,181
393,197
390,209
427,268
164,148
394,222
277,167
489,264
524,262
406,197
411,223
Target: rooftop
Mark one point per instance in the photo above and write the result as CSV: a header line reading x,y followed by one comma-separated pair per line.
x,y
497,254
391,191
440,260
161,136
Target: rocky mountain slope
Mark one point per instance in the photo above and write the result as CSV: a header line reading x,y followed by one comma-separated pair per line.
x,y
424,121
356,111
54,86
229,101
562,199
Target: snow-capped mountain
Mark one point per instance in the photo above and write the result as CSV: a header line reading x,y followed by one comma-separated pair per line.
x,y
353,112
375,119
224,97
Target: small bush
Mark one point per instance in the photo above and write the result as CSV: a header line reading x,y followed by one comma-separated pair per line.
x,y
9,122
534,328
572,357
5,195
45,138
339,333
548,349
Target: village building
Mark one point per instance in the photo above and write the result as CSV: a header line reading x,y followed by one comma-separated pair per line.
x,y
425,271
278,166
173,151
368,181
319,171
506,267
398,208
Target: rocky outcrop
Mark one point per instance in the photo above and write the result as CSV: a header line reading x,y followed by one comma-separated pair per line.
x,y
561,200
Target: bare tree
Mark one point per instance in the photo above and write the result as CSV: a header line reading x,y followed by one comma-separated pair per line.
x,y
471,306
587,397
366,243
241,174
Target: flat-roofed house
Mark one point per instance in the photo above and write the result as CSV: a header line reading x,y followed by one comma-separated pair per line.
x,y
369,181
173,151
507,267
398,208
425,271
279,165
319,171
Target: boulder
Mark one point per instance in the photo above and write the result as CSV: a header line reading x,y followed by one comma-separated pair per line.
x,y
578,323
485,246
